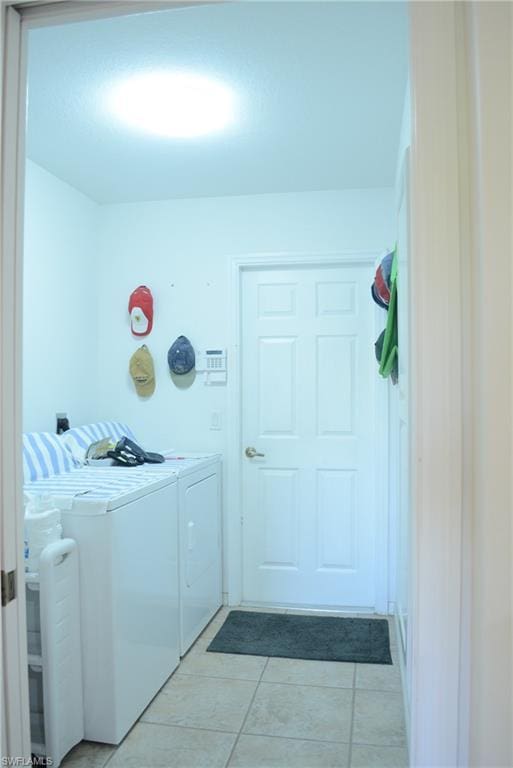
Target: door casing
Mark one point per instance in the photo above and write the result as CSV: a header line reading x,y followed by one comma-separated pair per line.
x,y
233,531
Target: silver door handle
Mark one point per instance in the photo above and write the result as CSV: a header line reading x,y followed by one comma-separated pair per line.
x,y
252,452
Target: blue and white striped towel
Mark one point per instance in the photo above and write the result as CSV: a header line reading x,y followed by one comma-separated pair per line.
x,y
44,455
90,490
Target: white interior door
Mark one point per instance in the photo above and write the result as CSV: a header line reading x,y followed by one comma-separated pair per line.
x,y
308,383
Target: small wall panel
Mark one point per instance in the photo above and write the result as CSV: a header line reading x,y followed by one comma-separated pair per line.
x,y
277,300
336,363
277,386
336,523
280,517
336,298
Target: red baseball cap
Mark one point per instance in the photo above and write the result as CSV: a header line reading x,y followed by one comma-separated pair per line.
x,y
140,306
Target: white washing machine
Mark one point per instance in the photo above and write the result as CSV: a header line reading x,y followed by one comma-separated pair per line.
x,y
200,534
126,526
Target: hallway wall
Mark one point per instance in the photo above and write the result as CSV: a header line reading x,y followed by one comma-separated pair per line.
x,y
60,322
183,249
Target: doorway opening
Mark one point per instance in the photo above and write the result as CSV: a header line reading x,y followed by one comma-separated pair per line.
x,y
112,205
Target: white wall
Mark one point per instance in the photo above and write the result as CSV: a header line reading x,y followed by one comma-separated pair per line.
x,y
83,260
182,249
94,256
60,323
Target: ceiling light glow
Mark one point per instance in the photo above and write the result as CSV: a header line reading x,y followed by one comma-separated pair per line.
x,y
172,104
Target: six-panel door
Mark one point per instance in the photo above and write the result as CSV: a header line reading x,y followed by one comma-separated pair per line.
x,y
308,377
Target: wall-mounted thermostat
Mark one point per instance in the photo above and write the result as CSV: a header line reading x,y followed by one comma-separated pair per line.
x,y
212,362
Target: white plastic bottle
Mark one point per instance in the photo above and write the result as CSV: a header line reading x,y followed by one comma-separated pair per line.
x,y
42,527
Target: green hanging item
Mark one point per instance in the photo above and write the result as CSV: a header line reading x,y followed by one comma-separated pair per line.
x,y
390,353
387,351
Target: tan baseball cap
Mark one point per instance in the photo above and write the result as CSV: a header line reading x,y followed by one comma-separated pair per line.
x,y
142,371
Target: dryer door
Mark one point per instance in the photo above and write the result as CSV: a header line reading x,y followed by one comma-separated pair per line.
x,y
201,513
200,549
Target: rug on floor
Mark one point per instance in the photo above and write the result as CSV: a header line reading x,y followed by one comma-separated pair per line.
x,y
291,636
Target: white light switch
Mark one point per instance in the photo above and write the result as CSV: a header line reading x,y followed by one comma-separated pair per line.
x,y
215,420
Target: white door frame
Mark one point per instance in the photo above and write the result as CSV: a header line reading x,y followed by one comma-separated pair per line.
x,y
436,384
14,657
436,454
234,453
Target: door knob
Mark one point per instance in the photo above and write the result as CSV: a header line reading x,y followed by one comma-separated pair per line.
x,y
252,452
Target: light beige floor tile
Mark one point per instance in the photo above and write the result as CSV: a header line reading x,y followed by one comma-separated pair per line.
x,y
202,702
164,746
378,677
392,631
379,757
199,661
335,674
218,619
274,752
379,718
298,711
211,630
88,754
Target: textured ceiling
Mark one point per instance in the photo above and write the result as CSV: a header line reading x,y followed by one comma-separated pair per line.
x,y
319,89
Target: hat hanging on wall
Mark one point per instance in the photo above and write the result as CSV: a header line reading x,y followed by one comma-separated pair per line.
x,y
142,371
181,357
140,306
381,288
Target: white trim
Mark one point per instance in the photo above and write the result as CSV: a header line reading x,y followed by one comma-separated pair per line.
x,y
233,528
435,387
68,12
488,655
382,506
17,737
303,258
463,65
404,677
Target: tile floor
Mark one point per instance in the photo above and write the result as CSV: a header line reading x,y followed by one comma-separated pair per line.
x,y
222,710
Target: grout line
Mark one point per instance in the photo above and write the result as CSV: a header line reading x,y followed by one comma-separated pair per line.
x,y
186,727
351,729
216,677
398,691
221,677
295,738
404,745
247,714
235,733
112,754
279,682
